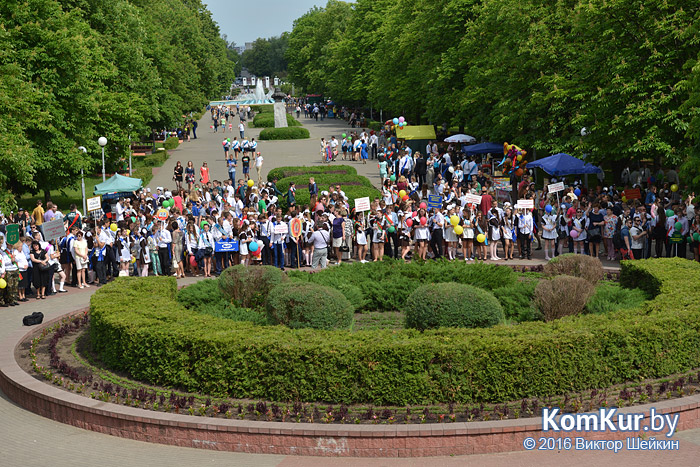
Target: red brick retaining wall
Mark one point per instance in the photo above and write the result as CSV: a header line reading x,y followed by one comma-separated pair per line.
x,y
397,440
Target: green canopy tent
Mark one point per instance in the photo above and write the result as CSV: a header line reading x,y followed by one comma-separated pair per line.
x,y
118,184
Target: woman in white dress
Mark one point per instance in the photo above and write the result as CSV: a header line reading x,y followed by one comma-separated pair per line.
x,y
450,235
421,233
360,236
80,253
494,233
124,246
467,223
378,235
549,232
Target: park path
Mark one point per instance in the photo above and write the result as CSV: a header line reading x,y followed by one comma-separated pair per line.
x,y
31,440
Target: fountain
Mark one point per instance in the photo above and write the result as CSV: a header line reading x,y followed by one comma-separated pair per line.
x,y
258,96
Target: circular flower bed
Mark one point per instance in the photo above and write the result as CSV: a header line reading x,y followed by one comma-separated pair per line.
x,y
138,327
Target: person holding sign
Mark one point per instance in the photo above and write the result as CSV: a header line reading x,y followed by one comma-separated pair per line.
x,y
525,227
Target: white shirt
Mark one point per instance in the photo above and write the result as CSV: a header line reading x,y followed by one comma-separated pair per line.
x,y
163,238
259,161
241,127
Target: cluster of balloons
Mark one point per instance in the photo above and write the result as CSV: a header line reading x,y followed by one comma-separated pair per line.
x,y
168,203
227,140
398,122
514,157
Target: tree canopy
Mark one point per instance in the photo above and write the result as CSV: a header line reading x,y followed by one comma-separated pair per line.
x,y
267,56
75,70
518,70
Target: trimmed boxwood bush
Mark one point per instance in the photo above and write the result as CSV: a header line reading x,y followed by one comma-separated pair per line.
x,y
610,297
451,305
309,306
516,300
570,264
206,297
248,287
136,326
171,143
291,171
294,132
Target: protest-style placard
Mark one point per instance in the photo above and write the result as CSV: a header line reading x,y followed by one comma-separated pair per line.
x,y
472,199
362,204
555,187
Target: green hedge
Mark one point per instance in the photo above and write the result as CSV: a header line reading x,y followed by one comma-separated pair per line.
x,y
309,306
294,132
385,285
291,171
171,143
267,120
354,186
138,327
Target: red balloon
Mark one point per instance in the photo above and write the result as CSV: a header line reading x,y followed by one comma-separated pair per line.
x,y
193,262
423,205
519,173
409,223
405,197
423,221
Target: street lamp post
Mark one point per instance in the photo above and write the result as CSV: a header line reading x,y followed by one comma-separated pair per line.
x,y
584,133
82,181
102,141
130,172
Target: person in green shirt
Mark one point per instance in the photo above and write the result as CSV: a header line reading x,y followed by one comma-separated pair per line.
x,y
262,204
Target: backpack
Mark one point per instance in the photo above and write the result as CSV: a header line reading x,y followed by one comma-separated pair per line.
x,y
35,318
617,239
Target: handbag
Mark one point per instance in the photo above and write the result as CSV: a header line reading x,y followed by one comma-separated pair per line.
x,y
594,232
344,248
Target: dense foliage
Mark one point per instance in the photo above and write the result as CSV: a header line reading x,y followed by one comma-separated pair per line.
x,y
291,171
308,306
161,342
267,56
518,70
562,296
249,287
451,305
77,70
206,297
266,118
610,297
385,285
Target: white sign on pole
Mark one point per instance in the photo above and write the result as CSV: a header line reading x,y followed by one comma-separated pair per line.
x,y
525,204
94,204
362,204
53,230
555,187
282,228
472,199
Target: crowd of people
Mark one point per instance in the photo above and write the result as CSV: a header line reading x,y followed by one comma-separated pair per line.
x,y
433,205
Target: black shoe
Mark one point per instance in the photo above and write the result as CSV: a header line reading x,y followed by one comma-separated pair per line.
x,y
529,257
4,305
14,304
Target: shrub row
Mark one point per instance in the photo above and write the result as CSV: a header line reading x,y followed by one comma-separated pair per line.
x,y
138,327
267,120
284,172
354,186
294,132
385,285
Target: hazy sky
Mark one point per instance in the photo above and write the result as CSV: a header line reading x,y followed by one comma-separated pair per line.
x,y
245,21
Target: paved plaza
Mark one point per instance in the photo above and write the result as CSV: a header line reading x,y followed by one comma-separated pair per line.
x,y
30,440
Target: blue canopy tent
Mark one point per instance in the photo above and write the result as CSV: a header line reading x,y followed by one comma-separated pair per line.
x,y
563,164
483,148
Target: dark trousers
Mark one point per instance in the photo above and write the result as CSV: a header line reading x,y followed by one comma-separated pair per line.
x,y
278,253
266,253
294,251
101,271
165,261
421,180
525,245
219,262
436,242
73,274
392,249
373,152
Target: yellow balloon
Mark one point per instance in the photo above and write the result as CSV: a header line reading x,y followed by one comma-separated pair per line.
x,y
113,227
624,199
481,238
251,183
454,220
402,193
133,259
128,232
3,283
459,230
674,187
520,157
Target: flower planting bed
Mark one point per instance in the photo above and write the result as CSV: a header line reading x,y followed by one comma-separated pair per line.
x,y
433,423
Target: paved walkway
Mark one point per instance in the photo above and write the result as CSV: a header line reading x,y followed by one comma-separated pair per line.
x,y
29,440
